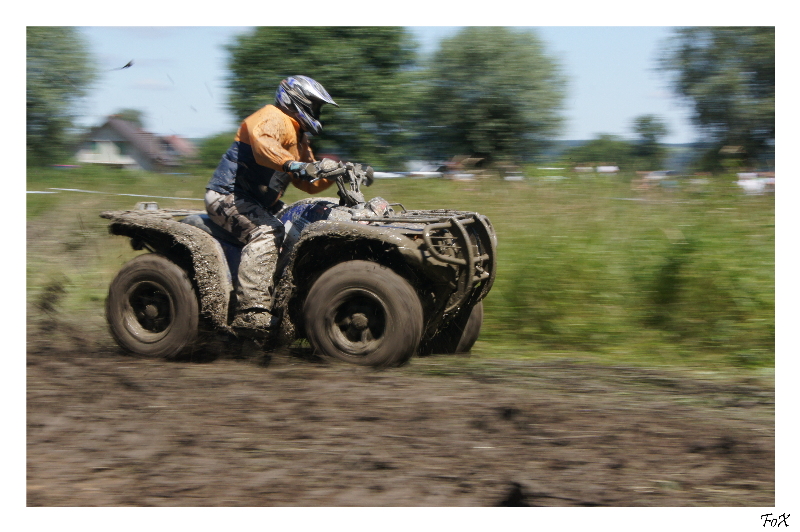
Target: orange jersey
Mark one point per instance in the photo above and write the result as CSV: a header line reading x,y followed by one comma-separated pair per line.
x,y
275,139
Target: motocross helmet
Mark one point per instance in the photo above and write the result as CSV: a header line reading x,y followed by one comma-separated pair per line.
x,y
302,98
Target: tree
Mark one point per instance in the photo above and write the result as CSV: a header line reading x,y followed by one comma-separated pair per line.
x,y
212,149
491,92
59,72
602,150
365,69
650,130
727,75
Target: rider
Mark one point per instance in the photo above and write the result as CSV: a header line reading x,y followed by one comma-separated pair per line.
x,y
271,149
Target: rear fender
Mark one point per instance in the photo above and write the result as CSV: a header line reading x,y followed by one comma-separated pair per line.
x,y
190,247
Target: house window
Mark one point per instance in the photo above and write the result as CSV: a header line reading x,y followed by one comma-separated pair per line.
x,y
122,147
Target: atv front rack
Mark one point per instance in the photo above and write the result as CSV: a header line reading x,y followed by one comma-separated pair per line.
x,y
464,239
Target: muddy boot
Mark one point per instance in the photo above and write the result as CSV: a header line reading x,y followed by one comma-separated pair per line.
x,y
257,323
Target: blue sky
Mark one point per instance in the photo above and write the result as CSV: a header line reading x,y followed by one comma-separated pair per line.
x,y
178,77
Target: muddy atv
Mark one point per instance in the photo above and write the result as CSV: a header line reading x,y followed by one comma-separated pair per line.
x,y
366,282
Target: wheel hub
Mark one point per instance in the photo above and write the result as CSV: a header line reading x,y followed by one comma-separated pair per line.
x,y
150,306
359,321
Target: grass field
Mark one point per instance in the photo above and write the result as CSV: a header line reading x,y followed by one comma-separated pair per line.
x,y
588,267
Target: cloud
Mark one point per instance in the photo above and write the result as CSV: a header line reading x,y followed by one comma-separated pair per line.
x,y
150,84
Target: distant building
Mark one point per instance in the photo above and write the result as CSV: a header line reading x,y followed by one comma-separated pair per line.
x,y
122,144
180,147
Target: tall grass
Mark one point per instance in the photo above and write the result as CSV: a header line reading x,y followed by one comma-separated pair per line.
x,y
587,266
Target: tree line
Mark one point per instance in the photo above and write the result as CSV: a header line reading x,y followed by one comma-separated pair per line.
x,y
491,92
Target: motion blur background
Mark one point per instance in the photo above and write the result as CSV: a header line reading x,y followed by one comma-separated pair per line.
x,y
619,245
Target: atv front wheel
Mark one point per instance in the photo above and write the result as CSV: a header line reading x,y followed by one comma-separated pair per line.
x,y
152,309
363,313
459,336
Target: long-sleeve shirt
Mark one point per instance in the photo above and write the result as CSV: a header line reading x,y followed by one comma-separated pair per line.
x,y
265,141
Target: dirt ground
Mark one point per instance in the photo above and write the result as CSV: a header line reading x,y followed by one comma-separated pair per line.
x,y
107,429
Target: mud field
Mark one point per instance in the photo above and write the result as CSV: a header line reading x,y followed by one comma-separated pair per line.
x,y
106,429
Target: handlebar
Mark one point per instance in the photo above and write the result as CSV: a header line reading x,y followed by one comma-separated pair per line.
x,y
354,175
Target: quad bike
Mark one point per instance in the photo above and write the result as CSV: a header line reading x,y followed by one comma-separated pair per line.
x,y
366,282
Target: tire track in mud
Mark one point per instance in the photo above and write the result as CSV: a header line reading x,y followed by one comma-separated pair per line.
x,y
105,429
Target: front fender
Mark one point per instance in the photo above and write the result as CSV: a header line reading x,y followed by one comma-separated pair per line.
x,y
324,243
352,231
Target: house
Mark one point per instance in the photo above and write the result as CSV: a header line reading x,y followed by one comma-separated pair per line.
x,y
121,143
180,147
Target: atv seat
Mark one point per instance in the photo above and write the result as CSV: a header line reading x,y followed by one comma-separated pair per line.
x,y
203,221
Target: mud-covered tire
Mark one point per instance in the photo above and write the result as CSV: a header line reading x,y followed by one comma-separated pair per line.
x,y
363,313
152,309
459,336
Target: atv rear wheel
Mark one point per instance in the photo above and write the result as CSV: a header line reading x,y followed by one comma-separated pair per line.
x,y
152,309
459,336
363,313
